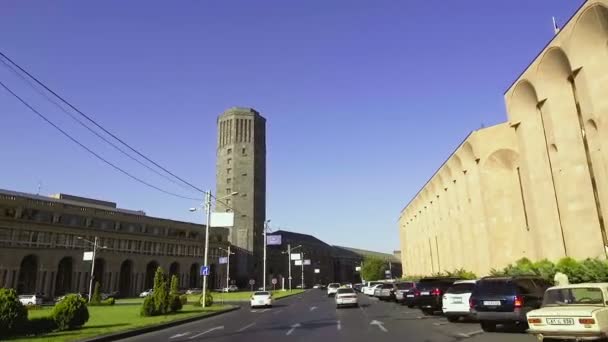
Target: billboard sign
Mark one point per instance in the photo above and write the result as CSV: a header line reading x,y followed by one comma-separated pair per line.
x,y
273,240
298,262
306,262
358,269
223,260
87,256
317,270
296,256
222,219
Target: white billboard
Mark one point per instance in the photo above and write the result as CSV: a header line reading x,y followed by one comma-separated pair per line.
x,y
222,219
317,270
273,240
296,256
298,262
358,269
87,256
306,262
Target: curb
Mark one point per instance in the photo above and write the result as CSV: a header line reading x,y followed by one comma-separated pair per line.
x,y
139,331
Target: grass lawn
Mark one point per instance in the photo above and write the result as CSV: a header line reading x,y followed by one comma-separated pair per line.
x,y
110,319
241,296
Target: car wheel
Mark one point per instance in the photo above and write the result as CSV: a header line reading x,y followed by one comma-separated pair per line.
x,y
453,319
488,326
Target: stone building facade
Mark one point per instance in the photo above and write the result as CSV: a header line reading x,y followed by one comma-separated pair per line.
x,y
241,168
535,186
42,240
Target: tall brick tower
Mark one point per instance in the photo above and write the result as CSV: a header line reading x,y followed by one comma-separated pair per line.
x,y
241,167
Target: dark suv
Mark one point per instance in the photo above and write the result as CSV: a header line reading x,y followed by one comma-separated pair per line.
x,y
431,290
506,300
402,291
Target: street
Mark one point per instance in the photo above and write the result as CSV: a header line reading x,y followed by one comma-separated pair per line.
x,y
313,316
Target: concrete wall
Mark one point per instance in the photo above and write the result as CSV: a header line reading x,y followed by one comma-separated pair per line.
x,y
535,186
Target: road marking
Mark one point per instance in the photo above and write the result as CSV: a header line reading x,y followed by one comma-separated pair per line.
x,y
293,327
264,310
180,335
278,312
439,323
208,331
254,311
470,334
313,308
339,325
379,325
246,327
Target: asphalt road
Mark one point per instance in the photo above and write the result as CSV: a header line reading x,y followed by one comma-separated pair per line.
x,y
312,316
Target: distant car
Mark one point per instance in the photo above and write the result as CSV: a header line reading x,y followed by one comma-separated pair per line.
x,y
261,298
332,289
349,285
60,298
367,288
317,286
194,291
507,300
371,290
146,293
572,312
431,292
385,292
31,299
231,288
114,295
456,300
357,287
401,290
346,297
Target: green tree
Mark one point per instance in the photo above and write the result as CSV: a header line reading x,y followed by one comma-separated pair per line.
x,y
174,285
96,297
161,295
13,315
373,269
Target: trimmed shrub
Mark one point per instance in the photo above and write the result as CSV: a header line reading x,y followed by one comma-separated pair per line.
x,y
147,308
41,325
573,269
175,303
183,299
70,313
197,303
96,297
13,316
174,285
545,269
208,299
109,301
160,295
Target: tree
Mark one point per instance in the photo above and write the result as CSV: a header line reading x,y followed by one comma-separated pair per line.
x,y
161,295
373,269
96,297
174,285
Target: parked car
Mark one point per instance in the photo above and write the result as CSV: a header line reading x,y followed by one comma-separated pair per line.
x,y
385,292
357,287
261,298
114,295
332,289
349,285
572,312
346,296
367,288
31,299
194,291
507,300
430,299
370,290
146,293
402,290
231,288
456,300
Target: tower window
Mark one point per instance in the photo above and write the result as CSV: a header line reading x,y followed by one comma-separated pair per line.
x,y
228,180
229,161
244,150
229,151
229,171
244,174
228,191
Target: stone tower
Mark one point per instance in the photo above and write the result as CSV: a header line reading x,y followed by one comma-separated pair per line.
x,y
241,167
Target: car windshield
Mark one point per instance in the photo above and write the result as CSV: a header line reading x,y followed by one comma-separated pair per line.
x,y
262,293
373,283
495,287
574,296
342,291
461,288
334,285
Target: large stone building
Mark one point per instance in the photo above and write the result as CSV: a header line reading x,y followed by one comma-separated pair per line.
x,y
42,240
241,169
535,186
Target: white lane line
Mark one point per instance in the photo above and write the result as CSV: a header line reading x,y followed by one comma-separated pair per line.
x,y
470,334
180,335
339,325
254,311
246,327
439,323
293,327
313,308
278,312
379,325
208,331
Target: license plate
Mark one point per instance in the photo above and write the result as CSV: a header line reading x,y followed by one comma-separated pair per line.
x,y
560,321
425,293
410,296
457,300
491,302
260,302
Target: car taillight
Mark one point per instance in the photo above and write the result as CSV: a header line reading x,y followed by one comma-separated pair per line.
x,y
436,292
586,321
416,293
472,303
534,320
519,301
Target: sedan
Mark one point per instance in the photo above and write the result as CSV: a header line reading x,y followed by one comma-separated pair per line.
x,y
31,299
332,289
261,298
146,293
346,297
573,312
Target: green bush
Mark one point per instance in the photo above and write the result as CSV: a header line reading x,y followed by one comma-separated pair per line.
x,y
70,313
174,285
573,269
147,308
208,299
545,269
160,295
197,303
373,268
109,301
175,303
96,297
183,299
13,316
40,325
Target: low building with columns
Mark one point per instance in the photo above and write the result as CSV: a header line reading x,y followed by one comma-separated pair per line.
x,y
535,186
42,240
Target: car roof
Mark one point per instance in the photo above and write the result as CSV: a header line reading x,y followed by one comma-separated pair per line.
x,y
465,282
574,286
510,277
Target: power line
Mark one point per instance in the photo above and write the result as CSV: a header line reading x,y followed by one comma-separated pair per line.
x,y
89,150
71,115
98,125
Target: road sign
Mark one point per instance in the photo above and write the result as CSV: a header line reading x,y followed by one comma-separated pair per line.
x,y
298,262
317,270
204,270
296,256
251,281
223,260
306,262
274,281
87,256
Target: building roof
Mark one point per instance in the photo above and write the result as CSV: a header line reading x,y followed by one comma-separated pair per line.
x,y
301,238
366,253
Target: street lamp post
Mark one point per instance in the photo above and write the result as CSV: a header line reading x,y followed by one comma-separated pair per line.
x,y
265,229
94,244
302,271
227,266
289,250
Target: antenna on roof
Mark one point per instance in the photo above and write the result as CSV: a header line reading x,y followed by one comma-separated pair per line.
x,y
555,27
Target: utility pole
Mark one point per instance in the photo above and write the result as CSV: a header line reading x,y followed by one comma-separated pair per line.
x,y
208,223
265,229
302,270
228,269
92,269
289,264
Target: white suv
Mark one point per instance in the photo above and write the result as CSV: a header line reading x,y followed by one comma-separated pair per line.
x,y
31,299
456,300
332,289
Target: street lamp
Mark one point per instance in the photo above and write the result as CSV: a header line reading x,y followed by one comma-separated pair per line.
x,y
227,265
265,229
94,244
207,206
289,250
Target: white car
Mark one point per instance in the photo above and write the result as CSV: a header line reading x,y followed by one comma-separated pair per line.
x,y
346,296
231,288
456,300
192,291
573,312
332,289
30,299
366,286
146,293
370,290
261,298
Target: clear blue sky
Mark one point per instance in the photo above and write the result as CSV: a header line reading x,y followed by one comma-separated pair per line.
x,y
364,99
